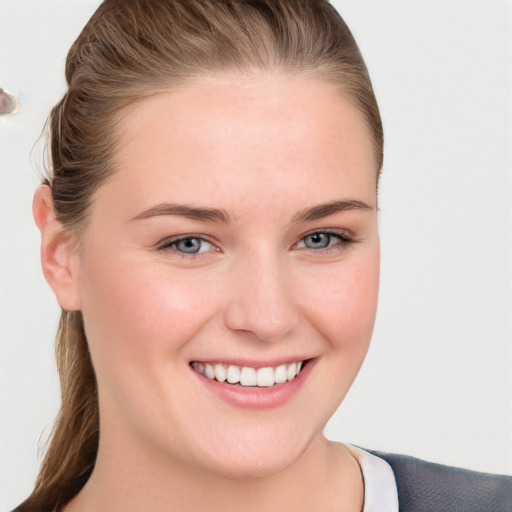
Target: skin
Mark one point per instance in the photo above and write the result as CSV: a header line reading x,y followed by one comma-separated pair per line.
x,y
262,150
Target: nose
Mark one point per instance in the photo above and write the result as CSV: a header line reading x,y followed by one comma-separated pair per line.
x,y
261,300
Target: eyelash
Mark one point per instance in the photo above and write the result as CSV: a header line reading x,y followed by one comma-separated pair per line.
x,y
171,243
343,240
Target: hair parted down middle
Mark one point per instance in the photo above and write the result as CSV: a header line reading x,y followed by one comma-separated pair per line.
x,y
128,51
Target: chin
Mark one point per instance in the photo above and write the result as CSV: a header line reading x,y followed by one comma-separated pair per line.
x,y
249,468
254,456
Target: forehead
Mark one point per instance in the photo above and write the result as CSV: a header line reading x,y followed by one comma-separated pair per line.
x,y
239,131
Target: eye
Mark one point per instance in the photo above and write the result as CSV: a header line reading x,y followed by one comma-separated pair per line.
x,y
317,240
188,246
321,240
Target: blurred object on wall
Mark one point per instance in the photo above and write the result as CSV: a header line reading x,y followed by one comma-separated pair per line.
x,y
8,103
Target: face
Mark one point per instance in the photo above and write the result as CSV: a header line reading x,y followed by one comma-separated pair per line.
x,y
236,238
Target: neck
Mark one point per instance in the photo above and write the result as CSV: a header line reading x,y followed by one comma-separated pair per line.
x,y
324,477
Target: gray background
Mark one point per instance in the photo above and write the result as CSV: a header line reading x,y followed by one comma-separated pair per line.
x,y
437,381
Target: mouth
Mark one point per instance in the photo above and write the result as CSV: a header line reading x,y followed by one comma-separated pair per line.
x,y
250,377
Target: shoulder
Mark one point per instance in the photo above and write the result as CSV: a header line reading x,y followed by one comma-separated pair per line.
x,y
426,487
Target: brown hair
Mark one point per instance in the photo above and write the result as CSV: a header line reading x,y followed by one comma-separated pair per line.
x,y
129,50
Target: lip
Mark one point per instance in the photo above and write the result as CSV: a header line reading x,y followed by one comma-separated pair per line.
x,y
254,397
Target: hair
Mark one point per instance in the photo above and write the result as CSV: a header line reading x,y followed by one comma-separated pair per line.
x,y
128,51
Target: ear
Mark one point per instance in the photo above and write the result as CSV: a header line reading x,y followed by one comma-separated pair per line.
x,y
58,251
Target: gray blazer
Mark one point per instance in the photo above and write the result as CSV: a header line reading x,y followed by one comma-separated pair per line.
x,y
428,487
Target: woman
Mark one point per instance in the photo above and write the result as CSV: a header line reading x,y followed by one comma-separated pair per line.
x,y
209,229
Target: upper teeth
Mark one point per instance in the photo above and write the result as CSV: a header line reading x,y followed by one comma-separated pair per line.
x,y
247,376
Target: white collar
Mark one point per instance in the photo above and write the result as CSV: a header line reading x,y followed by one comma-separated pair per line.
x,y
380,491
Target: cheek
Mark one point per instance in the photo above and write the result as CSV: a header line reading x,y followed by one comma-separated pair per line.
x,y
344,309
343,312
134,313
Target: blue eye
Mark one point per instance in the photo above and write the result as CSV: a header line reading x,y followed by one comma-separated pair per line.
x,y
317,240
188,246
322,240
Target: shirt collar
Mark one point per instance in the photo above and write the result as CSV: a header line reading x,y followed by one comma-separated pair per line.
x,y
380,491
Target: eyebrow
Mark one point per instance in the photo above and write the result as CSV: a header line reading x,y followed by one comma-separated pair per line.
x,y
184,210
221,216
324,210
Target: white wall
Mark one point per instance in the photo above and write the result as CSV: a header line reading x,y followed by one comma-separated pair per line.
x,y
437,382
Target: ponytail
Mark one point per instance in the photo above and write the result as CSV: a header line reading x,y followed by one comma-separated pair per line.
x,y
70,458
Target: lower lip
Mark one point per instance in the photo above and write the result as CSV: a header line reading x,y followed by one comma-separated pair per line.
x,y
254,397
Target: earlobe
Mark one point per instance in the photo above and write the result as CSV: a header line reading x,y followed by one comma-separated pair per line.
x,y
58,251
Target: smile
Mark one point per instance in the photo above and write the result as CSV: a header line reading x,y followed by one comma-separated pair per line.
x,y
247,376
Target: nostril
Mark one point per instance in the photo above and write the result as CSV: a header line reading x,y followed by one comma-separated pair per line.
x,y
261,303
260,321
